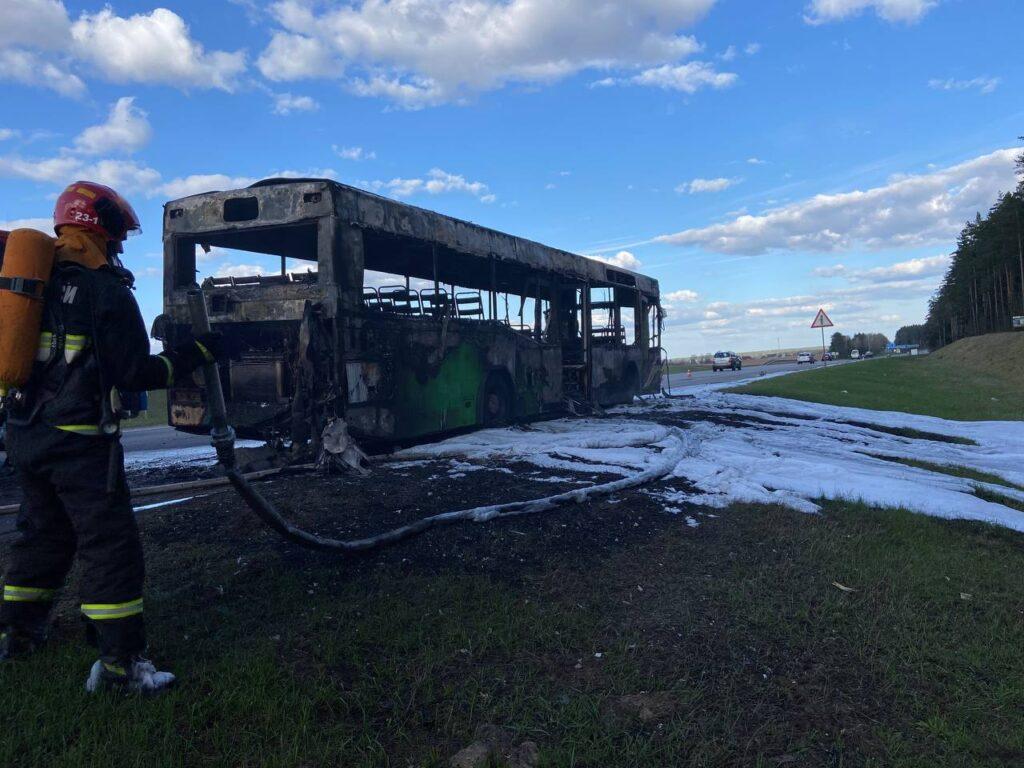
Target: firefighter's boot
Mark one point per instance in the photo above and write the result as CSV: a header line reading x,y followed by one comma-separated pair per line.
x,y
136,676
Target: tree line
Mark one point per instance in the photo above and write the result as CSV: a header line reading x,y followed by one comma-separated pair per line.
x,y
842,345
984,287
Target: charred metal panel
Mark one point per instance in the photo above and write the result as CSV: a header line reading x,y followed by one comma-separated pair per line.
x,y
621,373
279,204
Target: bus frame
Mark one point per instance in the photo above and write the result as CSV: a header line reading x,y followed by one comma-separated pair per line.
x,y
434,353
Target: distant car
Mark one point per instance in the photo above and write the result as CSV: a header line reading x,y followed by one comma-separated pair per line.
x,y
805,357
855,354
826,357
723,360
868,354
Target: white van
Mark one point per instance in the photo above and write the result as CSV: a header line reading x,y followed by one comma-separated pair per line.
x,y
855,354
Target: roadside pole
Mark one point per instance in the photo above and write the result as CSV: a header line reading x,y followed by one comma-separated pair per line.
x,y
822,321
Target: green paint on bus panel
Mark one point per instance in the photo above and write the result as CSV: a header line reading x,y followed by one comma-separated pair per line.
x,y
442,402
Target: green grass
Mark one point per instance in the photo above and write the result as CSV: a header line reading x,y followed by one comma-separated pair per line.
x,y
954,470
156,416
922,385
301,660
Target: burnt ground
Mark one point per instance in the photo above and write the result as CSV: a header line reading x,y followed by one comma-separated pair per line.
x,y
611,633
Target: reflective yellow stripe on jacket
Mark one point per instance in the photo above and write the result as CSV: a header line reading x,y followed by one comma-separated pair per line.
x,y
170,370
14,594
74,345
108,611
81,429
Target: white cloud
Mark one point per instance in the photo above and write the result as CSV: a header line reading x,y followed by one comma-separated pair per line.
x,y
622,259
309,173
152,48
354,153
199,183
41,46
127,129
697,186
436,182
121,174
729,53
824,11
286,103
6,134
416,52
756,161
911,269
124,175
411,93
860,303
34,23
688,78
295,57
43,225
752,49
684,295
930,266
981,84
240,270
908,211
30,68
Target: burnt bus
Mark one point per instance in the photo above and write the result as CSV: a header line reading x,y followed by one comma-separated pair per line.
x,y
403,322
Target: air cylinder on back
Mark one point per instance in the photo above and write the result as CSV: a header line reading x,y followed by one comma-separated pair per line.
x,y
27,265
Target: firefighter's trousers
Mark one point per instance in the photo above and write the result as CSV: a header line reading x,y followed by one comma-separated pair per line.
x,y
75,502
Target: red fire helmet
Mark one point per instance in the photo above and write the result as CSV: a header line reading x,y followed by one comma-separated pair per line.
x,y
97,208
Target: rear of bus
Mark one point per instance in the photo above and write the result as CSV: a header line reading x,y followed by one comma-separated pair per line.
x,y
263,256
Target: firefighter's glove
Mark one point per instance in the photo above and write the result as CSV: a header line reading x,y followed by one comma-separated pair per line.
x,y
205,348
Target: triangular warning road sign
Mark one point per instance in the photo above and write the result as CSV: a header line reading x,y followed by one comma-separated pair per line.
x,y
822,321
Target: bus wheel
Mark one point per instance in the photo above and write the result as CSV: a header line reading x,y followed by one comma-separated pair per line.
x,y
497,400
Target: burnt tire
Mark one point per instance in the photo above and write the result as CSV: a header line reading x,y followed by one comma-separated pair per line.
x,y
496,402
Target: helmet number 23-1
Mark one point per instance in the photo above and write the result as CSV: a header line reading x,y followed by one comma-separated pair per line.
x,y
85,217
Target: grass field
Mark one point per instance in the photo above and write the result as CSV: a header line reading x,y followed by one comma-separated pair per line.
x,y
974,380
638,642
156,416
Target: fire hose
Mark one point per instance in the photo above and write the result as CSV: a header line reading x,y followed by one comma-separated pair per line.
x,y
222,437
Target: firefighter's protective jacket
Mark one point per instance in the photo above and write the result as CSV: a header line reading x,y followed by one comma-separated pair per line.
x,y
94,340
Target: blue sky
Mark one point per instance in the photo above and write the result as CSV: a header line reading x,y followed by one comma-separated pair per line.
x,y
759,159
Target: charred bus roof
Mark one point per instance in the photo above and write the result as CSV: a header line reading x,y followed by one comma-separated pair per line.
x,y
268,217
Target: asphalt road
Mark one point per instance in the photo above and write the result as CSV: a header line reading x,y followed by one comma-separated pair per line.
x,y
700,378
159,439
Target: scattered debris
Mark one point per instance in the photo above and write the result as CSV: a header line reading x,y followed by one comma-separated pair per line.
x,y
842,587
340,451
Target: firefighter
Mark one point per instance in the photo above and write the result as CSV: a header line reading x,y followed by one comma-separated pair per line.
x,y
63,441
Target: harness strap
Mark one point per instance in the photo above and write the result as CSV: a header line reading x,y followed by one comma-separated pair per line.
x,y
24,286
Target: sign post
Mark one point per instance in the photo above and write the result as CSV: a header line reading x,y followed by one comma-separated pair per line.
x,y
822,321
